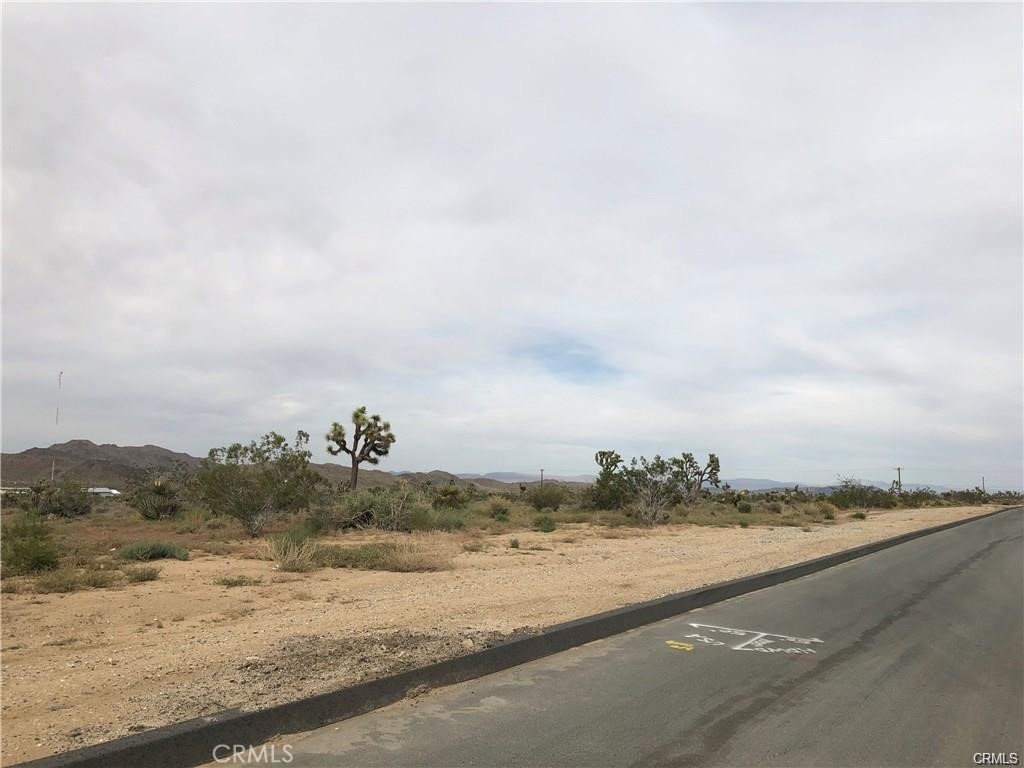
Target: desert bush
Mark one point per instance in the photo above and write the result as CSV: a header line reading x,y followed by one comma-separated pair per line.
x,y
448,521
548,496
27,545
404,557
851,493
60,580
64,499
141,573
514,544
387,509
859,516
744,507
13,586
237,581
450,496
655,486
252,483
156,499
544,524
98,578
826,509
744,523
192,519
498,508
152,550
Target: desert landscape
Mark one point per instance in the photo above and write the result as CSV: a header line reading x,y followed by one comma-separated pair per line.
x,y
227,628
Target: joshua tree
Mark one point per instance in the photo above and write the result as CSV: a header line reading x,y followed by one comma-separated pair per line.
x,y
372,439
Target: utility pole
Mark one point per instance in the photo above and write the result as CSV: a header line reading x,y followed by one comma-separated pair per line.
x,y
983,485
56,423
542,478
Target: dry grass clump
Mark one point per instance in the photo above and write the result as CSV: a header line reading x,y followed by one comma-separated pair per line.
x,y
293,555
237,581
403,557
141,573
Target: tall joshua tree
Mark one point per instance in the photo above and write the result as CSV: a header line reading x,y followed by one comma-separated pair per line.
x,y
372,439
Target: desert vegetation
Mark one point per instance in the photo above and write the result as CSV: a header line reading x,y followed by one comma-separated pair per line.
x,y
262,500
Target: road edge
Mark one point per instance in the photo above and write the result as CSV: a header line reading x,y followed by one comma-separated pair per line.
x,y
191,742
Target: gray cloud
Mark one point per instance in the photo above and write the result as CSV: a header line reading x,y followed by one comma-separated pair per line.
x,y
793,232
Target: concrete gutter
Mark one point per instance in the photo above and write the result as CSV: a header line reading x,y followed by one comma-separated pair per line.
x,y
191,742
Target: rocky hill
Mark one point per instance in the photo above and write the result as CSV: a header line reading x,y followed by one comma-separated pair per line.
x,y
116,466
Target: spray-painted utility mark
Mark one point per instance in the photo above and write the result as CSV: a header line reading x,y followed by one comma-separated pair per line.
x,y
678,645
752,640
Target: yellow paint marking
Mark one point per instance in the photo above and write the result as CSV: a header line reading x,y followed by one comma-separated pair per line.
x,y
678,646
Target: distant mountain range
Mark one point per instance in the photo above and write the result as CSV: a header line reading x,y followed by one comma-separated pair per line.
x,y
116,466
522,477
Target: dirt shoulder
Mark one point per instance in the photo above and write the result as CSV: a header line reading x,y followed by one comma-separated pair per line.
x,y
85,667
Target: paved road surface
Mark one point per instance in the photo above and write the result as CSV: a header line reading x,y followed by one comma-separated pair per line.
x,y
919,663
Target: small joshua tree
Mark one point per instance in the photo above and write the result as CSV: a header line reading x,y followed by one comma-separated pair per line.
x,y
372,439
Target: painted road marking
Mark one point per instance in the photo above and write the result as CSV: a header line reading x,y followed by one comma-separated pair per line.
x,y
678,645
752,640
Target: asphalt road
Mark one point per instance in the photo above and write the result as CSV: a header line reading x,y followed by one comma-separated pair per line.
x,y
920,662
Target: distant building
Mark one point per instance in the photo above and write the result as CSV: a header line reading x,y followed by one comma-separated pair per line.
x,y
103,491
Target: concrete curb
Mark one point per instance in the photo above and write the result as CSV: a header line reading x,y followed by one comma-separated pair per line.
x,y
191,742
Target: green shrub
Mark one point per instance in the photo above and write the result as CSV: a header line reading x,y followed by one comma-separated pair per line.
x,y
544,524
422,519
64,499
744,523
549,496
152,550
157,499
859,516
498,509
387,509
514,544
744,507
425,519
448,521
27,545
142,573
450,497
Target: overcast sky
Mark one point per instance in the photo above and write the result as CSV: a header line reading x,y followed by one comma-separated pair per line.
x,y
789,234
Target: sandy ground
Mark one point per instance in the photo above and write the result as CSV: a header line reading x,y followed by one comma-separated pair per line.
x,y
89,666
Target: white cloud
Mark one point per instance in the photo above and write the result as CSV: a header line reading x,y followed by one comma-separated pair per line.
x,y
788,234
